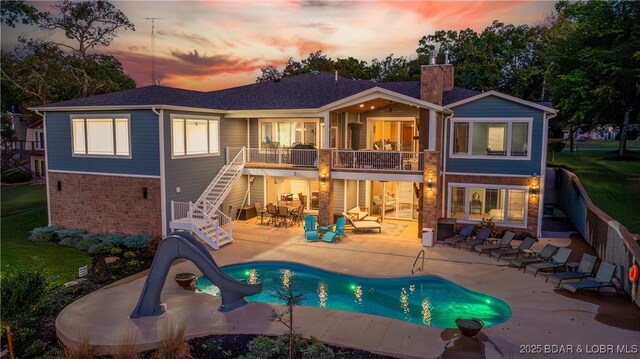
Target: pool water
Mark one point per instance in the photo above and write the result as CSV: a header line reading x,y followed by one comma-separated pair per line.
x,y
422,300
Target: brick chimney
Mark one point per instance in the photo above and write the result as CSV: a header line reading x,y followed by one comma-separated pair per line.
x,y
435,79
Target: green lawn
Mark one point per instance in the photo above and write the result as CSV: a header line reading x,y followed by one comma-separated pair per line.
x,y
24,208
613,185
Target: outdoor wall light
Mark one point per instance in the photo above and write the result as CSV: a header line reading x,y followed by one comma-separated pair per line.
x,y
59,186
430,184
323,179
533,191
145,192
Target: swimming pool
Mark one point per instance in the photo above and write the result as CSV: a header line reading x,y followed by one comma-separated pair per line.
x,y
422,300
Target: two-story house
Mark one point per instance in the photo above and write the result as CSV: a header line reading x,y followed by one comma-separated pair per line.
x,y
153,159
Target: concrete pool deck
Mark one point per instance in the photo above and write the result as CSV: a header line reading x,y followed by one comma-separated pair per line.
x,y
541,314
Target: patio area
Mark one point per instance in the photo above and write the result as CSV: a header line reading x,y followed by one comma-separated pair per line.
x,y
541,314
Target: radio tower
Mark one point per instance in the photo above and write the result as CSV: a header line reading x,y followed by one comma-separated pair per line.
x,y
153,47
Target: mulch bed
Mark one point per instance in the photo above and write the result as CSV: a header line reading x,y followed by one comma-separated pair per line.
x,y
232,346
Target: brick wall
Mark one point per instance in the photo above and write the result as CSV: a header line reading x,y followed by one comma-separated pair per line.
x,y
325,195
431,198
431,84
532,202
103,204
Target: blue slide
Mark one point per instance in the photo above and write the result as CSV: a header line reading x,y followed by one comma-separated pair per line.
x,y
184,245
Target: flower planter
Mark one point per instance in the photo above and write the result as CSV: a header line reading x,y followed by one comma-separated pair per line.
x,y
185,279
469,327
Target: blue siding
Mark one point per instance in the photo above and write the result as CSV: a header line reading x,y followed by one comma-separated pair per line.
x,y
494,107
193,175
145,148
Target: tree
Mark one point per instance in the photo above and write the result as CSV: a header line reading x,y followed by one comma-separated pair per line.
x,y
594,52
16,11
21,292
506,58
290,299
269,73
89,23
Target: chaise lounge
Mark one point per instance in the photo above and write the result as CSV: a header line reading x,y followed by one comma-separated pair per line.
x,y
604,278
363,225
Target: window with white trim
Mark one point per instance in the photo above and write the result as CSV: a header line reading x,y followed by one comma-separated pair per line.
x,y
481,137
101,136
475,202
287,133
195,136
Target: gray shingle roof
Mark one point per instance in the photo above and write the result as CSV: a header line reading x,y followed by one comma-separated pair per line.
x,y
310,90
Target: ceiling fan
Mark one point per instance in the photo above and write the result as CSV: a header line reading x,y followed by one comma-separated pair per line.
x,y
390,108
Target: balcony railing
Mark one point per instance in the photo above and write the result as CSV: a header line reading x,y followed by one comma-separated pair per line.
x,y
278,157
23,148
386,161
362,160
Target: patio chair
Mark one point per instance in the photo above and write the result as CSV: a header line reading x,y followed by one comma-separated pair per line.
x,y
283,214
585,269
464,233
310,229
557,261
362,225
338,233
526,244
604,278
261,211
481,237
272,212
505,242
545,255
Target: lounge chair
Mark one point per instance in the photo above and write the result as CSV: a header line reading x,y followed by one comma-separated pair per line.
x,y
310,229
526,244
481,237
363,225
585,269
557,261
604,278
331,236
545,255
505,242
464,233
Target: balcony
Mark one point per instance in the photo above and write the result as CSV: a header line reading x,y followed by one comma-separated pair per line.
x,y
377,161
278,157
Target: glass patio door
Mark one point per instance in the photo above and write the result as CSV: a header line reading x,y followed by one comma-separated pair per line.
x,y
393,200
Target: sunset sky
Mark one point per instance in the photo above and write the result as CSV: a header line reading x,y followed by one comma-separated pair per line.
x,y
219,44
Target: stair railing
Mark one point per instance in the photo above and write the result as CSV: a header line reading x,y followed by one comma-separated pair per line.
x,y
415,270
239,159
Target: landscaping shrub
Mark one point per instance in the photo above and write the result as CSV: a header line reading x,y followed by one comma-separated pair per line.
x,y
277,347
100,248
173,344
90,243
44,234
131,242
21,291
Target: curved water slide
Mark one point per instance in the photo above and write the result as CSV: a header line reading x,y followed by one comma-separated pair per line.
x,y
184,245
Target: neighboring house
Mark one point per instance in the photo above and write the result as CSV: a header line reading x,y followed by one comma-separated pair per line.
x,y
27,143
153,159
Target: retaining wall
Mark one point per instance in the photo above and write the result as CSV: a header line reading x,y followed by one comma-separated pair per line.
x,y
611,240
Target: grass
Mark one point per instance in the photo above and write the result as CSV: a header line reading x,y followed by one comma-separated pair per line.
x,y
24,208
612,184
605,145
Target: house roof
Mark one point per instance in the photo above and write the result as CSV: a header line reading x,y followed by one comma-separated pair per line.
x,y
307,91
37,124
144,96
537,105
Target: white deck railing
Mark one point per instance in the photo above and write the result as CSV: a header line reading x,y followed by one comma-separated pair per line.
x,y
377,160
279,157
180,210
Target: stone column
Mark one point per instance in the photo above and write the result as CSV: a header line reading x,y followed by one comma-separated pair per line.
x,y
325,196
431,197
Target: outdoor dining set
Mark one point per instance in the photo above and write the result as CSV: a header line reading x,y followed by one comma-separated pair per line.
x,y
282,214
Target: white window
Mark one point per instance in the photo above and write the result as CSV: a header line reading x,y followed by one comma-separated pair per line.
x,y
195,136
101,136
505,205
489,138
38,140
288,133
